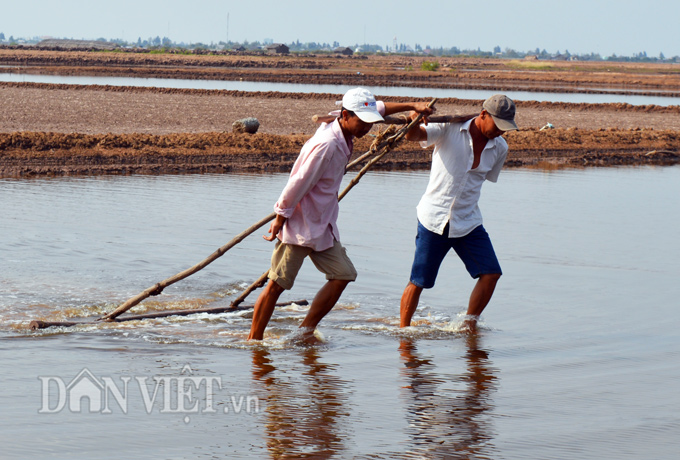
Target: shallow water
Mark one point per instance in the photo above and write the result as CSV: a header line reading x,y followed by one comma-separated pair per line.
x,y
577,356
529,95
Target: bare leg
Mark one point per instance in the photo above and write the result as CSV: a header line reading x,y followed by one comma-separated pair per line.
x,y
324,302
479,299
409,303
264,307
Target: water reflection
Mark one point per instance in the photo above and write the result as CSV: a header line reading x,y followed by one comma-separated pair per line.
x,y
303,415
448,415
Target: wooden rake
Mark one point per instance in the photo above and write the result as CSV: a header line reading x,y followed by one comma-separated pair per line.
x,y
381,147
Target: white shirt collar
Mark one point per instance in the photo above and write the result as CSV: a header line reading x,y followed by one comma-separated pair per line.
x,y
466,127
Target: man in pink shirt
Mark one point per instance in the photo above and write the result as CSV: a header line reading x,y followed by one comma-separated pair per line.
x,y
307,210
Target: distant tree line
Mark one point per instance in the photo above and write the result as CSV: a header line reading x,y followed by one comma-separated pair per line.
x,y
166,44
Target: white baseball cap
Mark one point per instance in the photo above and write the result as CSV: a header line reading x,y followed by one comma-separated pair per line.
x,y
362,102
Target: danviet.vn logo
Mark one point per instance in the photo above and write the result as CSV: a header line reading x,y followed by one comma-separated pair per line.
x,y
185,393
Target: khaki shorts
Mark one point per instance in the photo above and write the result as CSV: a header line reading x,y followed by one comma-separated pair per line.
x,y
287,260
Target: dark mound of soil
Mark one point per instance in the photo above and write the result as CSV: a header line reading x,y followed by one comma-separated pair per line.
x,y
28,154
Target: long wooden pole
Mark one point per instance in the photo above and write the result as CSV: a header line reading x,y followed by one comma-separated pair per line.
x,y
257,284
161,314
157,288
400,120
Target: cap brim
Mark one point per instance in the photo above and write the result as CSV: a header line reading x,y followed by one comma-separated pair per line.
x,y
504,125
369,117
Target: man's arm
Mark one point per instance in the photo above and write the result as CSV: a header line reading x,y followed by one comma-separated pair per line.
x,y
392,108
492,175
298,185
417,133
419,107
303,180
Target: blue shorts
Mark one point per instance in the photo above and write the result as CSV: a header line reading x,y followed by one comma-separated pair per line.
x,y
474,249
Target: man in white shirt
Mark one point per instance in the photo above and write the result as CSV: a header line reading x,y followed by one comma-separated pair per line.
x,y
465,155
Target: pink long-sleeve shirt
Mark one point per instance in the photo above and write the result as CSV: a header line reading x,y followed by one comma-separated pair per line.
x,y
309,200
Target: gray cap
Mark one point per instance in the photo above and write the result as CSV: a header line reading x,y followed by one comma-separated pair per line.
x,y
502,110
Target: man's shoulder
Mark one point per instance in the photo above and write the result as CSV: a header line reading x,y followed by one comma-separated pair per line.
x,y
502,144
440,133
442,126
324,141
323,135
452,129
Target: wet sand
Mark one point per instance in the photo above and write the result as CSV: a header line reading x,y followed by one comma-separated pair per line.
x,y
48,129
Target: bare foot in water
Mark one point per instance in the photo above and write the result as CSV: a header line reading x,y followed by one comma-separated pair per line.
x,y
469,326
307,336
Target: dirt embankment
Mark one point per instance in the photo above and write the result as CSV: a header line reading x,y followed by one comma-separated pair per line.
x,y
75,129
30,154
109,109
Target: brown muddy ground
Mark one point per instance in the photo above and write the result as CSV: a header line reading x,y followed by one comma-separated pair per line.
x,y
30,154
71,129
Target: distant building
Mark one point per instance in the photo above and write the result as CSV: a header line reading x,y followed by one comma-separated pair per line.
x,y
344,51
277,48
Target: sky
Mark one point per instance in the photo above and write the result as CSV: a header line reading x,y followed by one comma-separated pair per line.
x,y
621,27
